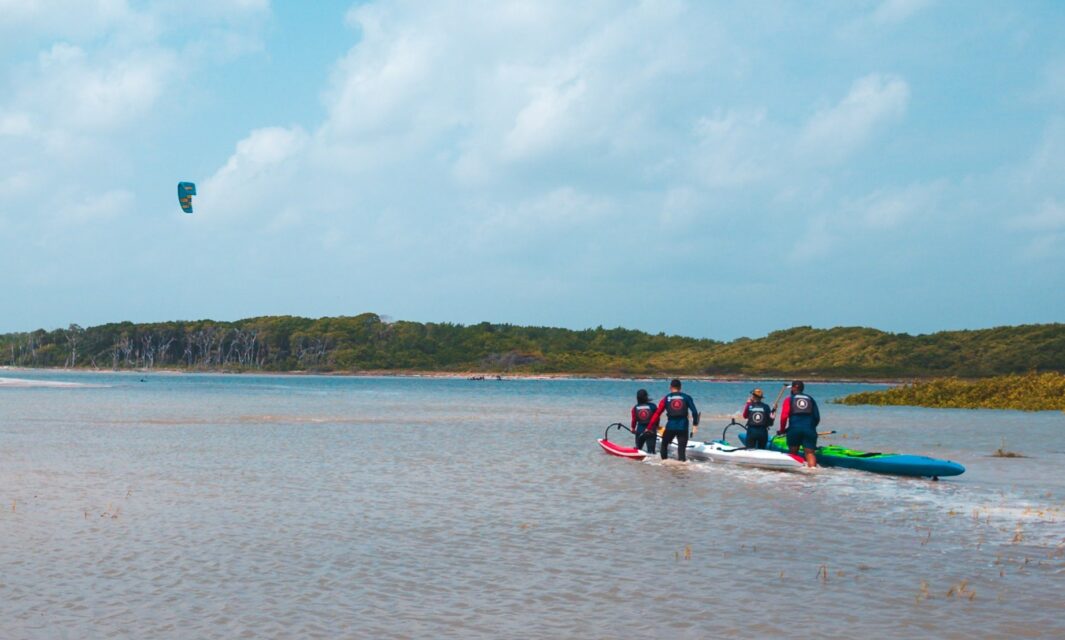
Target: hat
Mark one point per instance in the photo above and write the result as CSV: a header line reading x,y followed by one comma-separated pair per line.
x,y
757,393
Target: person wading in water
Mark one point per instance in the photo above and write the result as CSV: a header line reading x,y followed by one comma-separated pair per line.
x,y
759,419
804,415
676,405
641,417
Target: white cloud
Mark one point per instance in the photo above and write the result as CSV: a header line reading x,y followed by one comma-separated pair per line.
x,y
15,184
545,121
72,90
734,148
873,101
1050,216
66,18
889,208
15,124
896,11
98,207
261,149
257,178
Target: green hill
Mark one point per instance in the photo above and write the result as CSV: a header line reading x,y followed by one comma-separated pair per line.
x,y
367,343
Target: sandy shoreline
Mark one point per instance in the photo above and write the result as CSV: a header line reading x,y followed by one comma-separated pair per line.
x,y
457,375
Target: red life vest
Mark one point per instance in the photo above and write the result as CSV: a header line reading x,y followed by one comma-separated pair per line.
x,y
676,406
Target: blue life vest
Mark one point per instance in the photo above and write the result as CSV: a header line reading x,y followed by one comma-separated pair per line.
x,y
758,415
644,413
676,406
802,405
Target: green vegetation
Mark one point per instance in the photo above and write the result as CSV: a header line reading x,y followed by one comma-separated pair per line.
x,y
369,343
1029,392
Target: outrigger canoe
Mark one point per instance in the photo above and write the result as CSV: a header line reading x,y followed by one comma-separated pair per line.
x,y
722,451
896,464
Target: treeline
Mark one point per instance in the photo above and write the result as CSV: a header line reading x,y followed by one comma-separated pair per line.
x,y
1029,392
369,343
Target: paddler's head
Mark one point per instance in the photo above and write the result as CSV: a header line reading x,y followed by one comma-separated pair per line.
x,y
641,396
797,386
757,395
674,385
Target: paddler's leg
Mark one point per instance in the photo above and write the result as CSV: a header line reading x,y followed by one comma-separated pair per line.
x,y
639,436
646,440
682,445
667,437
794,439
809,446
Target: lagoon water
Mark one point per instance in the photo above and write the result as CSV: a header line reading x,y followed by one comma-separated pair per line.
x,y
211,506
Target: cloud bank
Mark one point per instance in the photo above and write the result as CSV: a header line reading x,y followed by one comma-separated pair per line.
x,y
541,163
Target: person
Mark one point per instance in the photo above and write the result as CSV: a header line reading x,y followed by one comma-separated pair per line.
x,y
676,405
801,411
641,417
759,418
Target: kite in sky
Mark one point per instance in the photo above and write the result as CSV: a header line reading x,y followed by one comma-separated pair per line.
x,y
185,191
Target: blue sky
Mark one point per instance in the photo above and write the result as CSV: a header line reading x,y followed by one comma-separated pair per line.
x,y
697,168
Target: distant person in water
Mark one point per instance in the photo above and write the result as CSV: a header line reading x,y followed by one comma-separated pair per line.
x,y
641,417
801,410
676,405
759,418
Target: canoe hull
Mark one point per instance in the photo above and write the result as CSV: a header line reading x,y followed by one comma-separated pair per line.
x,y
895,464
620,451
719,451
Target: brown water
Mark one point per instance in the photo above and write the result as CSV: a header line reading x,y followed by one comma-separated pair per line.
x,y
281,507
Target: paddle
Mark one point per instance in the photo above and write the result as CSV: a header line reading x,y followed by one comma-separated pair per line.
x,y
777,401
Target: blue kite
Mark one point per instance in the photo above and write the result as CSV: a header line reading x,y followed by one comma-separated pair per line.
x,y
185,191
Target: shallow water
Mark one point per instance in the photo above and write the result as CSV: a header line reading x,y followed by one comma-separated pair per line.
x,y
205,506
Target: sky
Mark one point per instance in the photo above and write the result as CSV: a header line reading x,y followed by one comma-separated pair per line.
x,y
710,169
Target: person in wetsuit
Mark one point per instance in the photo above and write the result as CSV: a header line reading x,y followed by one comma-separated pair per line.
x,y
641,417
802,412
759,418
676,405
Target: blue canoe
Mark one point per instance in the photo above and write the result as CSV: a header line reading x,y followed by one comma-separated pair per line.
x,y
896,464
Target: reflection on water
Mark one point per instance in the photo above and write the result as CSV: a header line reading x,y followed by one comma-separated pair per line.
x,y
278,507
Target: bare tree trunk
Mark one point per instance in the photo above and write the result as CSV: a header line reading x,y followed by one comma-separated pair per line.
x,y
149,350
73,334
163,348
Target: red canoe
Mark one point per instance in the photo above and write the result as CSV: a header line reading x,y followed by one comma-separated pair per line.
x,y
616,449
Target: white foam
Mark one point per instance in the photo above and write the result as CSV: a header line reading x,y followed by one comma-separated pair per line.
x,y
25,383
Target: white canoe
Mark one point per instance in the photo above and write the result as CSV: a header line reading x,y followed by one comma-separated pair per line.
x,y
721,451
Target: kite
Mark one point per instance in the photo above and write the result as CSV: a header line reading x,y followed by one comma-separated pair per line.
x,y
185,191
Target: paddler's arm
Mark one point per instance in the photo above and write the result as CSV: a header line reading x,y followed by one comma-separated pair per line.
x,y
817,415
653,424
632,426
695,415
747,410
785,409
